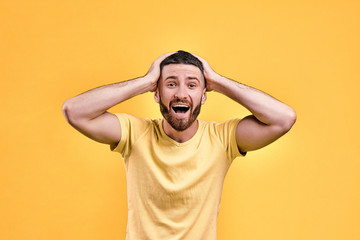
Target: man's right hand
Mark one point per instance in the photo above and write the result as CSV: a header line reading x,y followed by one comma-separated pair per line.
x,y
153,74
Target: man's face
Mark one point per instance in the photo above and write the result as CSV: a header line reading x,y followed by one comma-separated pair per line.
x,y
181,91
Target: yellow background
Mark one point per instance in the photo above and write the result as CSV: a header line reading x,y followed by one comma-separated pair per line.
x,y
57,184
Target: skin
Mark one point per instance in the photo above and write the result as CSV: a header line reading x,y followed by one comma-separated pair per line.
x,y
270,118
181,84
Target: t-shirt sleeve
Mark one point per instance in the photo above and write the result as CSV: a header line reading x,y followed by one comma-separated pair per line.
x,y
132,128
226,133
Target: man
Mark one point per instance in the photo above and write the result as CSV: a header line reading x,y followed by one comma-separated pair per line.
x,y
175,167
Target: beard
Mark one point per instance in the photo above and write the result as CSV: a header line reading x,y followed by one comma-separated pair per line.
x,y
176,123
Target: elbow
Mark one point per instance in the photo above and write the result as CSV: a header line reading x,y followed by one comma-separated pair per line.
x,y
289,120
72,113
67,111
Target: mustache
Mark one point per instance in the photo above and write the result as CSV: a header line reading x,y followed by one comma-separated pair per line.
x,y
179,100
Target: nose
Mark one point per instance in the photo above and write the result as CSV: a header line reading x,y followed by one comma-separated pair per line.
x,y
181,91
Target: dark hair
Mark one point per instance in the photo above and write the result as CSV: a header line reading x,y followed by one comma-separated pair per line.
x,y
184,58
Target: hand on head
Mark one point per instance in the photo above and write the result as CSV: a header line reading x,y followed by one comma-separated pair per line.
x,y
153,74
209,73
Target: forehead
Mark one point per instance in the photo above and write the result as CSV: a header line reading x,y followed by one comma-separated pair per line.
x,y
180,70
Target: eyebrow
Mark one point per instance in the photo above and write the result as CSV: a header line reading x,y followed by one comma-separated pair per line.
x,y
188,78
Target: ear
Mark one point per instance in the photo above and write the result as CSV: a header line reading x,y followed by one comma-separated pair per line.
x,y
156,95
204,96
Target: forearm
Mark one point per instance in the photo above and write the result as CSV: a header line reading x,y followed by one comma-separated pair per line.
x,y
265,108
95,102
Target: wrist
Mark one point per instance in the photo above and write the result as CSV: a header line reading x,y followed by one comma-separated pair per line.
x,y
149,83
214,82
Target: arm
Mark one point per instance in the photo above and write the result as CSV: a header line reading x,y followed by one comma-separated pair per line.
x,y
270,118
88,114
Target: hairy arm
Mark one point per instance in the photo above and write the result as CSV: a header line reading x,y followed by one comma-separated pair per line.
x,y
270,118
88,113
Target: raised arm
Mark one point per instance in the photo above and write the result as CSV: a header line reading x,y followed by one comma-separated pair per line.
x,y
270,118
88,114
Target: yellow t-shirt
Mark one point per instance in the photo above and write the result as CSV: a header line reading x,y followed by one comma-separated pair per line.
x,y
174,189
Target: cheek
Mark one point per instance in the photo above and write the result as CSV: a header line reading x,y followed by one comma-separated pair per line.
x,y
198,96
164,98
165,94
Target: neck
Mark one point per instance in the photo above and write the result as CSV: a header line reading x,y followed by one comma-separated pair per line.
x,y
180,136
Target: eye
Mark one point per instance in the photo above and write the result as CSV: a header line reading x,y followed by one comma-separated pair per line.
x,y
171,84
192,85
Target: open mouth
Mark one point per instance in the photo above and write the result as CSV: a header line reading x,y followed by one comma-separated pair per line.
x,y
180,108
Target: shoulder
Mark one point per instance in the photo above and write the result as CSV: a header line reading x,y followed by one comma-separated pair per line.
x,y
132,129
218,128
224,133
126,118
132,125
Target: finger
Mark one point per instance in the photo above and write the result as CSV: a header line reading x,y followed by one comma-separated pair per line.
x,y
163,56
200,58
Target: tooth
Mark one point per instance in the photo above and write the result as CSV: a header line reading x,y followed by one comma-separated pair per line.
x,y
180,106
